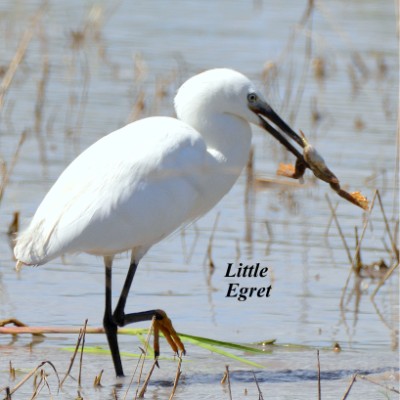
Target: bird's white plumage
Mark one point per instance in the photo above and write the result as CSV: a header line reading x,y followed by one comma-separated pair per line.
x,y
138,184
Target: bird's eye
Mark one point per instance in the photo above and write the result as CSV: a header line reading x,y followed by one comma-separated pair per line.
x,y
252,97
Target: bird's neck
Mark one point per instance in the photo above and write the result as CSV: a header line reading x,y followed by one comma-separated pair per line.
x,y
228,135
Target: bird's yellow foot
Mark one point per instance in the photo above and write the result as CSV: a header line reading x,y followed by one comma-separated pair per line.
x,y
163,323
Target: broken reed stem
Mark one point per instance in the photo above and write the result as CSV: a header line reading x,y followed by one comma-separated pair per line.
x,y
133,375
97,379
177,376
78,342
20,54
37,386
81,357
42,383
229,381
349,387
147,380
260,395
30,374
319,376
142,359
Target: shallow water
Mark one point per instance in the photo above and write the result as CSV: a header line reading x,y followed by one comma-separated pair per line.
x,y
147,48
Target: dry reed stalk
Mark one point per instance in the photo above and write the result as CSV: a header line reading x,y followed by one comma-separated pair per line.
x,y
40,100
138,108
229,381
147,380
392,240
391,389
353,379
224,378
142,356
384,279
331,218
357,257
12,371
335,218
30,374
44,382
186,251
211,264
358,249
97,379
161,89
7,171
177,376
37,385
3,174
20,54
238,252
146,347
81,357
133,375
260,395
78,342
13,228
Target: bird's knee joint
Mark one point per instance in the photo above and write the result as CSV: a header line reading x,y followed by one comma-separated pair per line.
x,y
109,324
119,319
160,314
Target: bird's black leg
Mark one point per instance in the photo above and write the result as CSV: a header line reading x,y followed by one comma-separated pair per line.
x,y
119,318
119,310
119,315
109,324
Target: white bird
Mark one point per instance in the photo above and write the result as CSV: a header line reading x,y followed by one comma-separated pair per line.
x,y
137,185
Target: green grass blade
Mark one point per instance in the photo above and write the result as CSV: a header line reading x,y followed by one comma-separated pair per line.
x,y
212,345
227,354
219,343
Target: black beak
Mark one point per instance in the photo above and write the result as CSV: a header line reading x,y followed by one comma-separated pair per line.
x,y
266,116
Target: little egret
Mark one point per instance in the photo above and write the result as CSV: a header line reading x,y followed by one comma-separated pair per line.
x,y
137,185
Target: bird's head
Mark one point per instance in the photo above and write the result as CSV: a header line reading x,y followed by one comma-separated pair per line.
x,y
225,91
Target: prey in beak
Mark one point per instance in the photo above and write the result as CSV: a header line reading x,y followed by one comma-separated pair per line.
x,y
280,130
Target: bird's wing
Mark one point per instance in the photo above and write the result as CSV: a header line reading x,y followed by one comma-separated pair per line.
x,y
131,188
